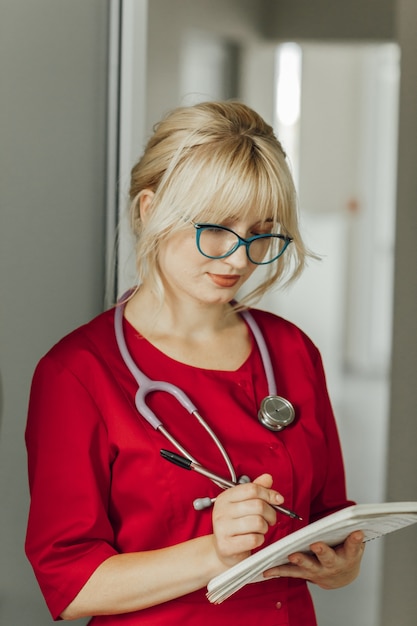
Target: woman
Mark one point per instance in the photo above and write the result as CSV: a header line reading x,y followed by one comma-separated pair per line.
x,y
112,532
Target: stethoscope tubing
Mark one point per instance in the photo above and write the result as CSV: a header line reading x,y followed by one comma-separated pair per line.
x,y
270,414
263,349
147,385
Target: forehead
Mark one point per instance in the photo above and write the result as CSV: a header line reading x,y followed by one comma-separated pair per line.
x,y
250,218
214,190
227,213
235,201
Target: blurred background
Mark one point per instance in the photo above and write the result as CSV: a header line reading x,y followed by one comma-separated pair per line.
x,y
82,85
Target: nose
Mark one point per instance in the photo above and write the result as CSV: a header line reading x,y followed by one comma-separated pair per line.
x,y
239,258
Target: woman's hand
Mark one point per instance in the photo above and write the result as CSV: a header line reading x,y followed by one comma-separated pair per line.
x,y
241,518
329,568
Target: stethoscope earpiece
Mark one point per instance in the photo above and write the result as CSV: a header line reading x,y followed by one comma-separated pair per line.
x,y
276,413
203,503
200,504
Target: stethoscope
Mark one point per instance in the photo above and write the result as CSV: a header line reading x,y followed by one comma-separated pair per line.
x,y
275,412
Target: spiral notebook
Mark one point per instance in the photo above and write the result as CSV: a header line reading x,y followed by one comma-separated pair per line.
x,y
374,520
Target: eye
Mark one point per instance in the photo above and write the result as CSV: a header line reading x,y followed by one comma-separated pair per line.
x,y
264,229
214,230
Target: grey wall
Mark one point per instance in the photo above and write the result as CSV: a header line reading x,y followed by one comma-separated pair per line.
x,y
53,73
330,19
52,183
400,571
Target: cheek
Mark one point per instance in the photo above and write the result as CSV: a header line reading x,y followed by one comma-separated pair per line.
x,y
179,253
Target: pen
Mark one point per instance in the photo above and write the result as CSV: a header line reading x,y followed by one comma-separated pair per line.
x,y
187,464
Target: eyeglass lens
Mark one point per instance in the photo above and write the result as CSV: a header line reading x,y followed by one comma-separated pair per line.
x,y
218,242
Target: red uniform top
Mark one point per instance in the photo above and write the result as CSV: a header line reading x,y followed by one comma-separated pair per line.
x,y
99,485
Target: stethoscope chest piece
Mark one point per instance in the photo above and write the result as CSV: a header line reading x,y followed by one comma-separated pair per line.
x,y
276,413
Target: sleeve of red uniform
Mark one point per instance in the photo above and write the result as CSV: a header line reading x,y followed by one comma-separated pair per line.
x,y
332,496
69,533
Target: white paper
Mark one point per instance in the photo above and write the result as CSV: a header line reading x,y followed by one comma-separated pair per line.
x,y
374,520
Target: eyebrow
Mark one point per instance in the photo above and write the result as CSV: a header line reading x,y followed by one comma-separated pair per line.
x,y
235,218
268,220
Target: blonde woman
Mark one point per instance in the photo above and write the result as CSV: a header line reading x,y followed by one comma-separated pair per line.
x,y
112,532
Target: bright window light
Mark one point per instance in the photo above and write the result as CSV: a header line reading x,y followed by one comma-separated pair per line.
x,y
288,102
288,83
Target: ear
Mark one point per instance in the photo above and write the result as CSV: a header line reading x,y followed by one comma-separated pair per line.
x,y
145,202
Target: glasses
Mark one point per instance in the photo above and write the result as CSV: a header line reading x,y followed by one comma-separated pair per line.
x,y
218,242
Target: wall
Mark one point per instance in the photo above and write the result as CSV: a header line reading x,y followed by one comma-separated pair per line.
x,y
329,19
53,65
385,19
240,21
375,20
52,181
400,571
160,31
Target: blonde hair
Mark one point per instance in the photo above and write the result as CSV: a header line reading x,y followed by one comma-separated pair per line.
x,y
206,163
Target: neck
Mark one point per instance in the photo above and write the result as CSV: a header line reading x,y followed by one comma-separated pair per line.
x,y
175,316
203,335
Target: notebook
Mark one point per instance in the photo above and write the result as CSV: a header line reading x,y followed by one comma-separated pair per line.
x,y
374,520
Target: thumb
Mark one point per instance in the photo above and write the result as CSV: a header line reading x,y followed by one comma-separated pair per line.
x,y
265,480
273,496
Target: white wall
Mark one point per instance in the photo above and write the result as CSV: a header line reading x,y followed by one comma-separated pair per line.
x,y
340,143
240,21
53,58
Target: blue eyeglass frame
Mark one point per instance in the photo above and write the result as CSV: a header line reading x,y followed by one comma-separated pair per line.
x,y
241,242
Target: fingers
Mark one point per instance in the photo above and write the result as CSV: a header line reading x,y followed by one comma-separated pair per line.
x,y
327,567
354,544
260,488
349,551
242,516
264,479
250,499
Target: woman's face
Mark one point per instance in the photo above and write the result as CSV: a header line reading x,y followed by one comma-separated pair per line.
x,y
187,274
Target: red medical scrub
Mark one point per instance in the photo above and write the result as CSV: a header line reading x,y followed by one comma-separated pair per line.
x,y
100,487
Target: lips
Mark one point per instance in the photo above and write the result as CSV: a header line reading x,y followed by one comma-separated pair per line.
x,y
224,280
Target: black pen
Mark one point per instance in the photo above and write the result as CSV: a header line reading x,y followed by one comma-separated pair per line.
x,y
187,464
